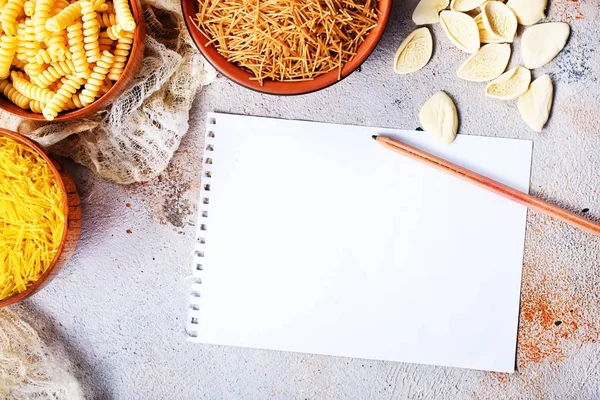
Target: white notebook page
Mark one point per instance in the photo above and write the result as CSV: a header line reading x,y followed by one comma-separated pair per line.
x,y
317,239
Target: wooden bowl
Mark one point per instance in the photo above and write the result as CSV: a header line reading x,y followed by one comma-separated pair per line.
x,y
72,210
133,65
242,77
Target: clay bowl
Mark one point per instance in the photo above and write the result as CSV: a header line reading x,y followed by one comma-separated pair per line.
x,y
242,77
72,210
133,65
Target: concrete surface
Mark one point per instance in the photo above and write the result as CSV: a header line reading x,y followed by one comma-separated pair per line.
x,y
117,310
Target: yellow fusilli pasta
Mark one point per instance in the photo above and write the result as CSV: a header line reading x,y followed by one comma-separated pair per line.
x,y
76,101
9,15
29,8
36,106
107,84
55,72
18,64
41,15
62,97
107,19
104,42
100,5
33,69
57,46
93,84
32,46
8,49
64,18
13,95
60,55
124,16
121,54
75,33
115,32
29,89
91,31
58,6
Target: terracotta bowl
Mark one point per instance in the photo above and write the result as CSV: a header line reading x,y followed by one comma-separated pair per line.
x,y
242,77
72,210
133,65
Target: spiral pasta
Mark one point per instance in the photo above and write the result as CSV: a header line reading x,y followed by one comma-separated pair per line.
x,y
9,15
36,106
91,31
124,16
57,47
121,54
62,97
29,8
105,43
95,81
32,46
55,72
21,52
64,18
100,5
18,64
76,101
13,95
41,15
107,84
58,6
33,69
107,19
75,34
60,55
29,89
8,49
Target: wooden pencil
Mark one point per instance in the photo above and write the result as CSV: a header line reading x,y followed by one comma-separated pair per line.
x,y
531,202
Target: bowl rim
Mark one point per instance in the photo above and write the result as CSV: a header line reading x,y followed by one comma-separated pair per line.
x,y
102,101
31,144
383,6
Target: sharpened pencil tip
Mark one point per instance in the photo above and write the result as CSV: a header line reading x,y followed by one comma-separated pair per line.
x,y
374,137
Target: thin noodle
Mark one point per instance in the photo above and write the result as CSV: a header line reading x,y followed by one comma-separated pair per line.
x,y
287,40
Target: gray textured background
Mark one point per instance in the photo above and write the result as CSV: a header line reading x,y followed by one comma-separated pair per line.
x,y
117,310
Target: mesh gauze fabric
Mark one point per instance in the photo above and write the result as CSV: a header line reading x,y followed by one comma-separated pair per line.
x,y
27,371
135,138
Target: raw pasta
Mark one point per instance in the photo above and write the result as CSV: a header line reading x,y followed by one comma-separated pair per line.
x,y
121,54
124,16
9,15
41,15
8,48
75,35
29,89
92,87
11,93
63,19
64,94
59,55
29,8
91,31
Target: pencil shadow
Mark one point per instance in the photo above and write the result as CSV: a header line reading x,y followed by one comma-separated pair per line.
x,y
58,343
584,211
